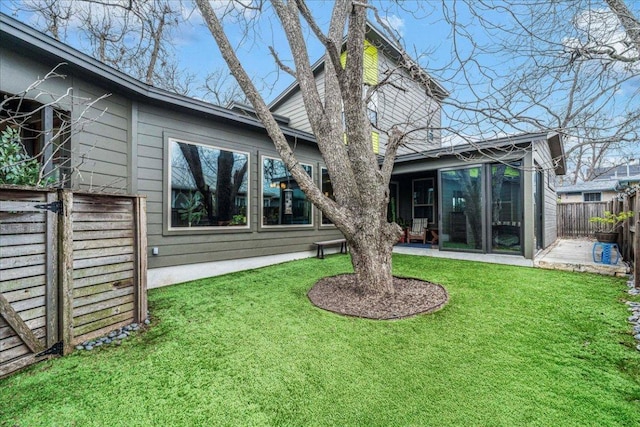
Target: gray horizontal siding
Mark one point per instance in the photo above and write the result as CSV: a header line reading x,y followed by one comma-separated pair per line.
x,y
404,103
293,108
188,247
542,156
99,134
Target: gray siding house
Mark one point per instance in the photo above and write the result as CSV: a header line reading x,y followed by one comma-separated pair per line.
x,y
144,140
493,196
218,197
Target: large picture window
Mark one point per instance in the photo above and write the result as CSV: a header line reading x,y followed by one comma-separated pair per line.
x,y
283,202
209,186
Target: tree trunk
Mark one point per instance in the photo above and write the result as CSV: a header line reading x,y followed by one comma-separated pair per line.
x,y
360,185
371,249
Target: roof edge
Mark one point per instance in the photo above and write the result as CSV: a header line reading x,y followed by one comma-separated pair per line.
x,y
63,53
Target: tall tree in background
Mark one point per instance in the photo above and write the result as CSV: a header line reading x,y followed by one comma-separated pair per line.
x,y
135,37
568,66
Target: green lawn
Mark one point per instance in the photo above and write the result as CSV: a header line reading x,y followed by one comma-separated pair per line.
x,y
514,347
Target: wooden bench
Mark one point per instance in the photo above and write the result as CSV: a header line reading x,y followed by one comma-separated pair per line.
x,y
336,242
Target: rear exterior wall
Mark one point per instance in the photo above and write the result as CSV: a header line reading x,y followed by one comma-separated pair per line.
x,y
100,132
155,125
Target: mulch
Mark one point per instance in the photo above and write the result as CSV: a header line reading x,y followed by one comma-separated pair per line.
x,y
339,294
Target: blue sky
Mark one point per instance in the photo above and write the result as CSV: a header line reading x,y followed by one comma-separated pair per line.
x,y
425,34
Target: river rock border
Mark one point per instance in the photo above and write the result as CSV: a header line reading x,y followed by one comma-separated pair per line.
x,y
634,307
114,337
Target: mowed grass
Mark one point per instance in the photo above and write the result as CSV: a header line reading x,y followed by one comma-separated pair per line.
x,y
514,347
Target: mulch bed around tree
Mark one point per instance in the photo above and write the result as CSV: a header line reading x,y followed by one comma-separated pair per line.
x,y
339,294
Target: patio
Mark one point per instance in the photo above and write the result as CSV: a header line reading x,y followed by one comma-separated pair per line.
x,y
576,255
564,254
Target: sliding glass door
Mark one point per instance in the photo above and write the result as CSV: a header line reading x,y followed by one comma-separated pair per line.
x,y
481,208
506,208
461,209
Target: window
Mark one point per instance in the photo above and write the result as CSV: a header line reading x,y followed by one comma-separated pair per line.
x,y
592,197
372,107
283,202
44,134
209,186
423,199
327,189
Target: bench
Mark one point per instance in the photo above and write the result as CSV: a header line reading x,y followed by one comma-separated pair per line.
x,y
336,242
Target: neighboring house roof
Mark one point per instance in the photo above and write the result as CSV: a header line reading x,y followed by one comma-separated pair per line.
x,y
629,180
554,141
611,184
391,49
589,186
32,43
621,171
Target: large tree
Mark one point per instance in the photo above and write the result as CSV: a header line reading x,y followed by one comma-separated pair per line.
x,y
571,66
360,183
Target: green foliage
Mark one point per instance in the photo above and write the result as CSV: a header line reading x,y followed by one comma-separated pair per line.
x,y
513,347
238,220
16,167
192,209
610,222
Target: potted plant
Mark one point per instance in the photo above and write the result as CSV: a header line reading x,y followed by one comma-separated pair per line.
x,y
609,224
403,224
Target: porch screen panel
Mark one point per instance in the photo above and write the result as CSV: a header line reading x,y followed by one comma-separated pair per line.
x,y
209,186
423,199
506,208
461,201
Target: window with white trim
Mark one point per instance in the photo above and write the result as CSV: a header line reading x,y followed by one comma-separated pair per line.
x,y
327,189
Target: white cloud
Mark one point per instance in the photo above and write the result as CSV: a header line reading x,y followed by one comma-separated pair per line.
x,y
600,30
395,23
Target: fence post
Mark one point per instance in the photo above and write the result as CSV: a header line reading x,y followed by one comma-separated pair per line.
x,y
636,241
626,231
141,259
51,253
65,264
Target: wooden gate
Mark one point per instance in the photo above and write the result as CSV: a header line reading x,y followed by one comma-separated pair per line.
x,y
28,278
72,268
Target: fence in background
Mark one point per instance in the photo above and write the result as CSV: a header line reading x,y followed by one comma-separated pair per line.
x,y
573,218
629,241
72,267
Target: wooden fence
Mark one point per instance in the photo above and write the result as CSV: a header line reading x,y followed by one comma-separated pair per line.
x,y
630,238
573,218
72,268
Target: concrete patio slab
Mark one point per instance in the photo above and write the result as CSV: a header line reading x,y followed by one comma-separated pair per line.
x,y
577,255
467,256
564,254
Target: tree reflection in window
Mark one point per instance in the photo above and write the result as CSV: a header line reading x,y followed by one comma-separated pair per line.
x,y
283,202
209,186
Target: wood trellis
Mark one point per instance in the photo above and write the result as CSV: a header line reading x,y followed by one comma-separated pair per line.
x,y
72,267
